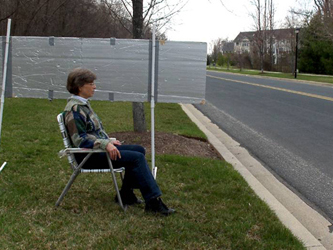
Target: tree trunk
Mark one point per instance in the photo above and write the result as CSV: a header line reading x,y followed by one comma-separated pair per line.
x,y
137,20
139,120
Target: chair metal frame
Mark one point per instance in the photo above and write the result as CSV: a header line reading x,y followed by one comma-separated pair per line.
x,y
77,169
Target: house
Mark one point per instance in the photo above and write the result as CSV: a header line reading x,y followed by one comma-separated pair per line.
x,y
279,40
243,41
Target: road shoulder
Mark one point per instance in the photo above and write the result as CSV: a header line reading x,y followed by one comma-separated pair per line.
x,y
305,223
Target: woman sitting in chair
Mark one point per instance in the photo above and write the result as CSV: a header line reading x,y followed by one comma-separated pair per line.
x,y
86,131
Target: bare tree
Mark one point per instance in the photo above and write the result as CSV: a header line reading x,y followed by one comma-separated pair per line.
x,y
141,13
320,12
217,48
215,53
263,18
325,12
259,35
271,26
139,121
295,18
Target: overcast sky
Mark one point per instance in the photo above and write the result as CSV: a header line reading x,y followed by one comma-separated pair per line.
x,y
207,20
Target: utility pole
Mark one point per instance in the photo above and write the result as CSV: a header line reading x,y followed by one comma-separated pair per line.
x,y
296,50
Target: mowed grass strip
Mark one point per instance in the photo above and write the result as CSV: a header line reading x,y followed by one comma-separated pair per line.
x,y
300,76
216,209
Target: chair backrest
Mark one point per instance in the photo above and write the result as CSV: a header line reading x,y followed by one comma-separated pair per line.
x,y
66,140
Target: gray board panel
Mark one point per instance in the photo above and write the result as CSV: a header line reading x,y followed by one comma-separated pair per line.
x,y
39,66
121,69
182,72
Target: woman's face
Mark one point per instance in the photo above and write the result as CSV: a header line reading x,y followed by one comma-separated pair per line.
x,y
87,90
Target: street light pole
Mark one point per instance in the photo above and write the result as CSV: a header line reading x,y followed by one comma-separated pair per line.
x,y
296,51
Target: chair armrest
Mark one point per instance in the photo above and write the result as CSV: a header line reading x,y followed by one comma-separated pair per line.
x,y
66,151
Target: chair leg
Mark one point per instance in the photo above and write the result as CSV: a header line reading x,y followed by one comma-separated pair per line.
x,y
71,180
115,183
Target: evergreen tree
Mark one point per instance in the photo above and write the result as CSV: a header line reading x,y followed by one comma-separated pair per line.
x,y
316,52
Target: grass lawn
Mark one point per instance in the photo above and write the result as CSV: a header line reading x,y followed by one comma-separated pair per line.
x,y
216,209
300,76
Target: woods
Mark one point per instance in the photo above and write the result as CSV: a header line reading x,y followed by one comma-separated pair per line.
x,y
75,18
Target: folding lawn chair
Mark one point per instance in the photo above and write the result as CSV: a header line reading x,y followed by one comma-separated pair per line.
x,y
77,169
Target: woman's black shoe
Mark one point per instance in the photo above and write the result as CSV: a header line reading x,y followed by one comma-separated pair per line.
x,y
157,206
128,198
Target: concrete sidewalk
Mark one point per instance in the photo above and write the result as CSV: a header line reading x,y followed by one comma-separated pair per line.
x,y
304,222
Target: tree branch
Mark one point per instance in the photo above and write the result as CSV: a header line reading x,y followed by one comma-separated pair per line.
x,y
115,14
33,16
125,5
151,6
5,18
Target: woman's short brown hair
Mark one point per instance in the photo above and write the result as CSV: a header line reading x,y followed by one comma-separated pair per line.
x,y
77,78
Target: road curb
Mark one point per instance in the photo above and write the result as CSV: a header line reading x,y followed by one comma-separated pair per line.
x,y
285,216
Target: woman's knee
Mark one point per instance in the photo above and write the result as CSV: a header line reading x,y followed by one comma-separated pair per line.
x,y
139,149
142,150
140,158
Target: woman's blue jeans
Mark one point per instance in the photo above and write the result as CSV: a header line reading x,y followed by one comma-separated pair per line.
x,y
137,172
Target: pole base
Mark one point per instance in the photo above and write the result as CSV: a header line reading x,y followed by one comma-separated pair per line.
x,y
3,165
154,172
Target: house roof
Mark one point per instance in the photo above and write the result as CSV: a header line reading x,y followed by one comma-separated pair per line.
x,y
243,35
228,47
277,33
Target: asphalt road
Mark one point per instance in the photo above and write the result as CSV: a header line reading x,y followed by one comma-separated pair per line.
x,y
284,124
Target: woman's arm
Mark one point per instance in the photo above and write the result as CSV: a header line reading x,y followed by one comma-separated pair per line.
x,y
76,123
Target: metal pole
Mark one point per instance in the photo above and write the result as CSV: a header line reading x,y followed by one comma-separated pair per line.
x,y
4,77
152,105
4,73
296,52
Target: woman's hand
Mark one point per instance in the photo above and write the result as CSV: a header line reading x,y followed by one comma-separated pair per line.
x,y
113,151
116,142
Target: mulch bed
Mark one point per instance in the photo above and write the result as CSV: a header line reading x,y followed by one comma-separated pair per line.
x,y
168,143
